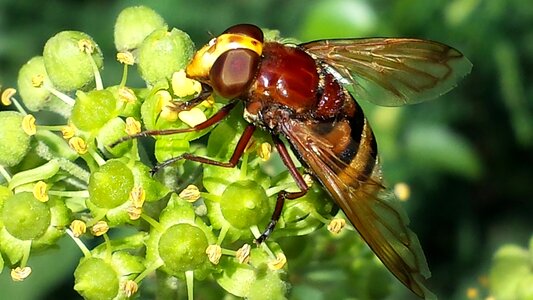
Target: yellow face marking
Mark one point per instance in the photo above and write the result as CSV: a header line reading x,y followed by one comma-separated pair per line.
x,y
204,58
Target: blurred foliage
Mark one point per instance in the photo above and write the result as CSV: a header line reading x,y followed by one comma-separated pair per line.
x,y
466,156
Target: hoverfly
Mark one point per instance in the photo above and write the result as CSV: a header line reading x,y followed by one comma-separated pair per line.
x,y
300,92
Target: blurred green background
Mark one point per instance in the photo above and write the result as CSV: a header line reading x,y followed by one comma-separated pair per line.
x,y
468,156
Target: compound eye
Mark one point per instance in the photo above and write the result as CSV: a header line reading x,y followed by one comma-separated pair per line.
x,y
247,30
233,71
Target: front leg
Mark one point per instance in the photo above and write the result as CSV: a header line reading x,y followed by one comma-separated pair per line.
x,y
237,154
280,201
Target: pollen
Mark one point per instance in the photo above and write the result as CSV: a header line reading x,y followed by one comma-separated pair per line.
x,y
472,293
6,96
78,144
308,180
214,252
125,58
134,213
402,191
164,105
132,126
336,225
183,86
39,191
37,80
243,254
78,228
28,125
127,95
19,274
264,151
209,102
278,263
137,196
86,46
191,193
192,117
100,228
68,131
130,287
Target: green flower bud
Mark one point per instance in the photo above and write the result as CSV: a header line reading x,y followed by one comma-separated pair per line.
x,y
162,53
96,279
133,25
31,81
244,204
170,146
67,63
110,186
130,100
252,281
182,248
93,109
25,217
14,142
154,189
60,218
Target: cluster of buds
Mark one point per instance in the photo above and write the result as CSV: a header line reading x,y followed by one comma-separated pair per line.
x,y
190,223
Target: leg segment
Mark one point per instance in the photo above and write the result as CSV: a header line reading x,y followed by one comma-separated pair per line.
x,y
237,153
280,201
217,117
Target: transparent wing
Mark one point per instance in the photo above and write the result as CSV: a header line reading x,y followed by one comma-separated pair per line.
x,y
392,71
373,211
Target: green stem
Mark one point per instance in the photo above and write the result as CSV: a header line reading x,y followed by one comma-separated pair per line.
x,y
124,76
18,106
80,244
26,253
97,77
152,222
70,194
222,234
63,97
189,277
97,158
5,174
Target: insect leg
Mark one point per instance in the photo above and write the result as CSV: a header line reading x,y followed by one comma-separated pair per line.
x,y
214,119
280,201
237,153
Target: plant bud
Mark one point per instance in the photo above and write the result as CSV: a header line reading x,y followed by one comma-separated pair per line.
x,y
67,63
93,109
162,53
14,142
133,25
31,81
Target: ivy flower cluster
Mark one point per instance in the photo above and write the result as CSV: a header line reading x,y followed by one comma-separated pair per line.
x,y
190,222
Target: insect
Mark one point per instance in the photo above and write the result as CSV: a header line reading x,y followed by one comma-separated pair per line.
x,y
300,93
